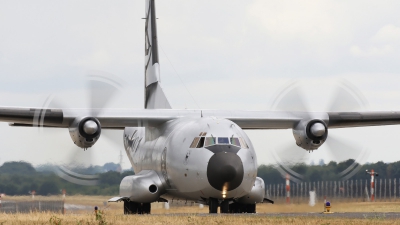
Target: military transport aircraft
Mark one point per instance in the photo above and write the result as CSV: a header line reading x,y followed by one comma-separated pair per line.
x,y
197,155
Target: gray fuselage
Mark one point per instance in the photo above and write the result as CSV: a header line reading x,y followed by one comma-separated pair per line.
x,y
212,167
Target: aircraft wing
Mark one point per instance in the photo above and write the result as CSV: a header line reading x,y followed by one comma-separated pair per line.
x,y
120,118
109,119
362,119
286,120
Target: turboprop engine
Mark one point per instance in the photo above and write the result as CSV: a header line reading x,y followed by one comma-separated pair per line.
x,y
144,187
310,134
256,194
85,131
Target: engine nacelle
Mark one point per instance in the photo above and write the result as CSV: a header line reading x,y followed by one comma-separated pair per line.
x,y
85,131
256,194
144,187
310,134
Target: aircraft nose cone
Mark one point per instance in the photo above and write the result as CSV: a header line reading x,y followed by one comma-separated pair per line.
x,y
225,171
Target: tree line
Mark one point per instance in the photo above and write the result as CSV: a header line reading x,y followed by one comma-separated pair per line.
x,y
330,172
20,178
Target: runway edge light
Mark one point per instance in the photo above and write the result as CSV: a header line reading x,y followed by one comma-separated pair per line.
x,y
327,207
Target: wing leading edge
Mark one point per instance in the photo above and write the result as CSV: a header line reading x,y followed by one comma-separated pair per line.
x,y
362,119
121,118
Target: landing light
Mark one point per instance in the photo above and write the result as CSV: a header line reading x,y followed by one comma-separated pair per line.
x,y
224,191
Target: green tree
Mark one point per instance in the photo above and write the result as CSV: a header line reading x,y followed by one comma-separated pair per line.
x,y
49,188
17,168
110,178
269,174
11,189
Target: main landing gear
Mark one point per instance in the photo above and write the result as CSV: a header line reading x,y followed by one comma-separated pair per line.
x,y
136,208
225,207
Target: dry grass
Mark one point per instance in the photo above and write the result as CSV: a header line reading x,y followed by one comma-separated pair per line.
x,y
336,207
115,217
190,215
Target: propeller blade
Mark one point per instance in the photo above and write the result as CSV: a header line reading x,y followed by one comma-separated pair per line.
x,y
291,99
74,170
341,151
291,154
101,90
346,98
76,178
288,157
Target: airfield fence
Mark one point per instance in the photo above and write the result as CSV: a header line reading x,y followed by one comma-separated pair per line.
x,y
32,206
348,190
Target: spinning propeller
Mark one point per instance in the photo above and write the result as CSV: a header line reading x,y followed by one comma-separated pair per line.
x,y
344,98
101,90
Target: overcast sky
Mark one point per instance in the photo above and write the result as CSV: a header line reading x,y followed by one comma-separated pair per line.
x,y
225,54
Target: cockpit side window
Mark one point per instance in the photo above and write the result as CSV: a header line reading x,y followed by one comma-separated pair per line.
x,y
195,142
210,141
201,143
235,141
243,143
223,140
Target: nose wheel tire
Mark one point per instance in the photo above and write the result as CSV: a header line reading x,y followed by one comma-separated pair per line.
x,y
242,208
251,208
213,205
224,207
134,207
146,208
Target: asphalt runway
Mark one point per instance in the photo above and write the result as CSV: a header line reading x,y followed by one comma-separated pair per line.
x,y
353,215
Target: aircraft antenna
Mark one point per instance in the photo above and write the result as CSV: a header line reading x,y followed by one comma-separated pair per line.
x,y
176,73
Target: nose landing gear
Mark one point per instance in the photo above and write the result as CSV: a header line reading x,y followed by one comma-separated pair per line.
x,y
213,205
225,207
242,208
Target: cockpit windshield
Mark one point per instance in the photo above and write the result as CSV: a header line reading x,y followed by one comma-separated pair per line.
x,y
235,141
223,140
210,141
200,142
